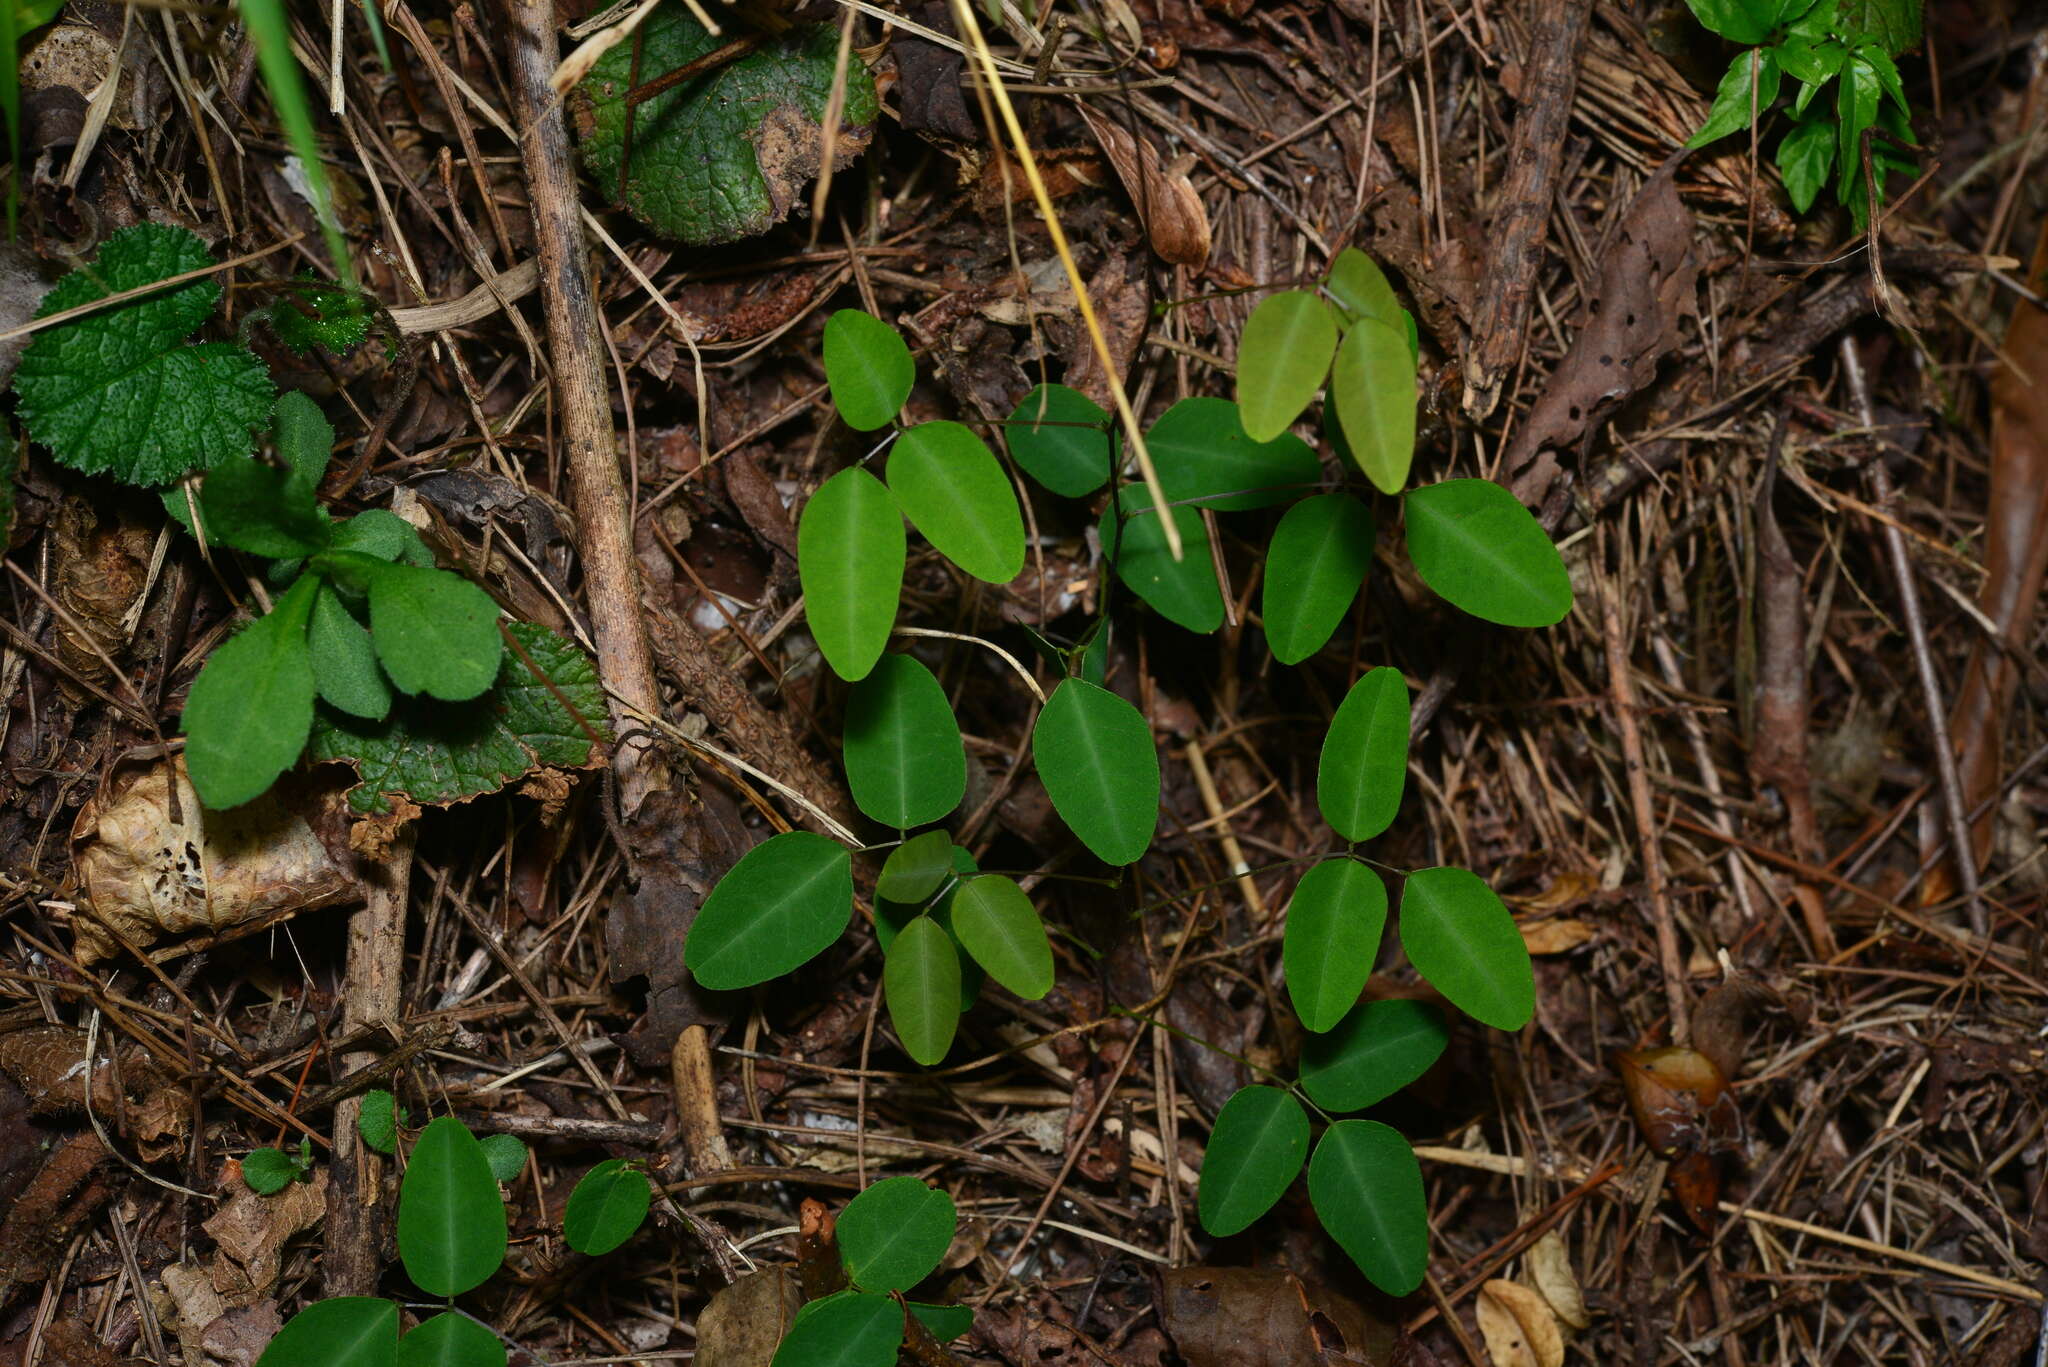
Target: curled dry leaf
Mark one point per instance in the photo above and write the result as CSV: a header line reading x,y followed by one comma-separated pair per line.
x,y
250,1233
1550,1268
146,876
1172,212
1519,1327
1681,1100
1557,935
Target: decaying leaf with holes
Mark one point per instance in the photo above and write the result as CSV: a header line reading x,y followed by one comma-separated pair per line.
x,y
147,875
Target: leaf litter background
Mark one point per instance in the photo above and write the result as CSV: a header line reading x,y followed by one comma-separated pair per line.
x,y
1710,795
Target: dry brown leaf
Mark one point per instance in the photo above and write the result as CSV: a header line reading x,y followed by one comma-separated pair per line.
x,y
1165,198
48,1064
1550,1267
147,876
251,1232
1518,1326
1264,1317
1681,1101
1559,935
743,1323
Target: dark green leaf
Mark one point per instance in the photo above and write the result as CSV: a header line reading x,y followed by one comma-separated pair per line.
x,y
252,507
1183,591
1204,456
1810,61
1745,95
921,983
846,1330
118,392
451,1220
1061,439
436,633
1320,554
1333,935
1816,22
606,1208
1094,754
1255,1150
304,440
269,1171
505,1154
1460,937
450,1339
868,367
850,553
1365,756
307,314
893,1235
944,1322
915,869
891,917
345,667
382,535
953,489
1856,99
1892,25
1476,545
1888,79
1283,357
249,711
346,1331
777,909
377,1120
1366,1188
1805,156
1360,288
1375,1051
998,925
1739,21
904,759
1373,388
723,156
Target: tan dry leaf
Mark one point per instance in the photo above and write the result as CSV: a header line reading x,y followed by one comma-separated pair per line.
x,y
251,1232
1519,1327
1550,1267
1557,935
148,877
743,1323
1166,200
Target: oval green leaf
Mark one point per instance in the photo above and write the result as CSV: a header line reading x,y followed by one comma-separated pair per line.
x,y
904,759
345,667
868,368
1205,456
1333,935
915,869
1373,387
892,916
893,1235
505,1153
1367,1190
436,633
1255,1150
347,1331
451,1220
1060,437
850,551
251,708
1460,937
1361,290
1283,357
1095,756
1375,1051
921,983
606,1208
450,1339
1320,554
774,911
1483,552
998,925
1365,756
846,1330
953,489
1182,591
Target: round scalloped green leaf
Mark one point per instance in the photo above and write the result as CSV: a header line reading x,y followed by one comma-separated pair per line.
x,y
1484,553
1060,437
915,869
1365,756
1375,1051
921,983
346,1331
1361,290
1334,924
1095,756
1283,357
723,156
848,1329
1366,1188
450,1339
1204,456
780,907
451,1220
904,759
1182,591
998,925
953,489
606,1207
1460,937
868,367
893,1235
1319,557
251,708
850,554
1255,1150
1373,388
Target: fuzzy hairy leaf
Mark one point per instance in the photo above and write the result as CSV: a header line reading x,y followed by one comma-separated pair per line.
x,y
269,1171
310,314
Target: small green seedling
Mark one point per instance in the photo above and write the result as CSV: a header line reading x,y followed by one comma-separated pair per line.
x,y
269,1171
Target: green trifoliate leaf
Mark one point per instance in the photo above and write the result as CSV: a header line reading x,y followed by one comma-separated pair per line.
x,y
849,1329
1376,1050
1320,553
1361,290
780,907
998,925
1183,591
450,1339
1372,387
1061,439
915,869
345,1331
1366,1188
1095,756
850,556
905,762
1334,924
921,984
953,489
118,392
451,1220
251,707
1255,1151
1205,457
1476,545
1365,756
607,1206
893,1235
436,633
1460,937
868,367
1283,357
434,753
722,156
